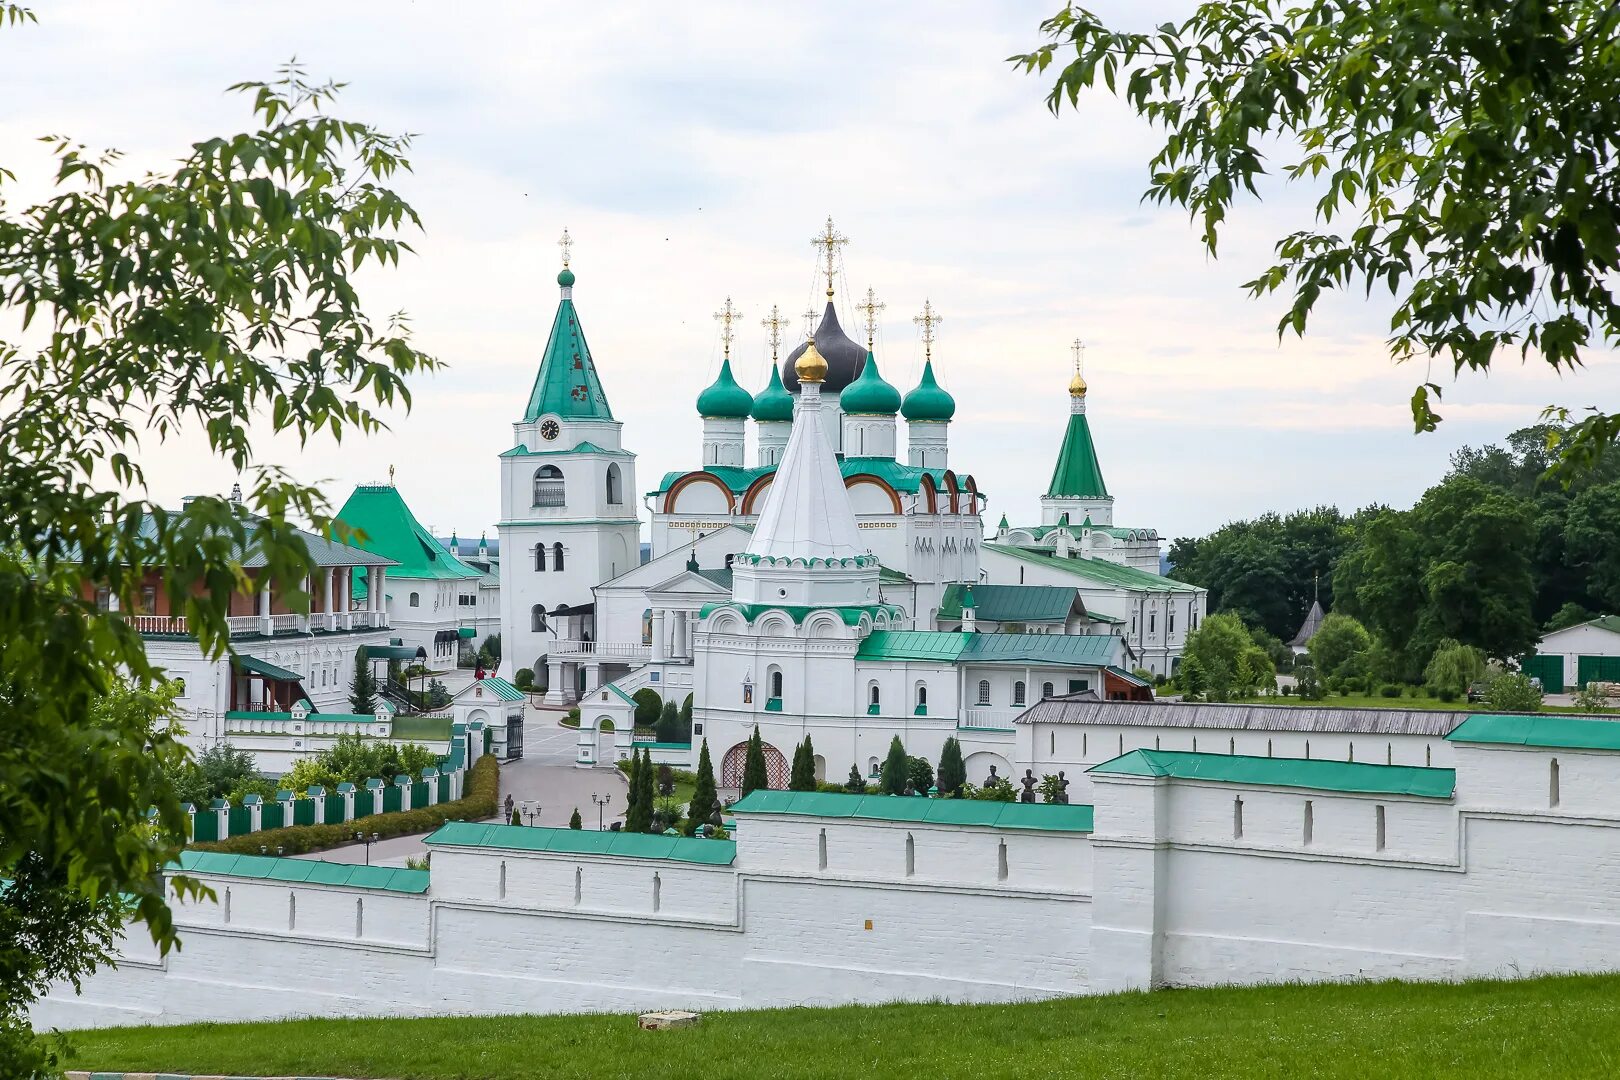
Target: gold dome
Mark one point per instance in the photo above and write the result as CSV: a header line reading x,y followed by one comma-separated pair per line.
x,y
1077,386
811,367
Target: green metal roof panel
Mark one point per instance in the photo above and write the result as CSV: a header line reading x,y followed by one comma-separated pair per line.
x,y
573,841
1077,473
1347,776
306,871
502,689
887,576
1100,570
436,728
1011,603
567,384
935,645
1564,732
1039,817
269,670
896,474
391,529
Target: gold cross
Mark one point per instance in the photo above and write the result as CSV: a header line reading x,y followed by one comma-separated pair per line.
x,y
774,324
830,241
565,243
872,306
810,323
1079,350
726,316
390,476
928,320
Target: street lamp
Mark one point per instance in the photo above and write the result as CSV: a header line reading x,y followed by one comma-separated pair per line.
x,y
368,841
530,811
600,801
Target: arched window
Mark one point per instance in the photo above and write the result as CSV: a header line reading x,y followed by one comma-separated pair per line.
x,y
548,486
540,558
1046,690
1018,692
556,556
776,684
416,599
873,698
537,618
984,691
615,485
922,699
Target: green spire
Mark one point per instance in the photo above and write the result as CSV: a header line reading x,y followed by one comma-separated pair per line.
x,y
870,395
1003,526
928,401
774,403
724,399
1077,475
567,385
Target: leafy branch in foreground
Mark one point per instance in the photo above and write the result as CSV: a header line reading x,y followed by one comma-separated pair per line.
x,y
1470,150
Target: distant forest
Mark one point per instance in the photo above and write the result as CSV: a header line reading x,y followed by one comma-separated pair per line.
x,y
1492,556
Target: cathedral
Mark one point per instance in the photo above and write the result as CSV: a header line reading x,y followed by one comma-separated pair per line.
x,y
831,586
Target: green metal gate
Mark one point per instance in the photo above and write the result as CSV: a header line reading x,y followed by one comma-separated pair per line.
x,y
1599,668
1549,669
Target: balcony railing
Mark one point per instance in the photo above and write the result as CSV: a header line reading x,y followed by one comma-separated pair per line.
x,y
609,650
252,625
980,716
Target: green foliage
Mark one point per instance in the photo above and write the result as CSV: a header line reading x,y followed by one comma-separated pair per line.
x,y
523,679
648,796
311,772
754,774
952,769
1424,125
856,784
1454,667
1591,527
215,774
1571,614
1048,787
892,777
668,728
491,648
362,686
920,774
516,818
1256,674
686,717
438,695
1194,680
1513,692
1217,645
355,759
648,706
1000,790
704,806
1593,698
575,822
1339,646
480,801
1308,682
802,777
638,814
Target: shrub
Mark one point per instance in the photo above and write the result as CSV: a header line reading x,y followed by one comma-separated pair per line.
x,y
668,728
1446,693
1593,698
704,806
920,773
952,770
856,784
479,800
1513,692
1389,690
524,679
1287,690
803,775
754,774
892,777
648,706
1001,790
574,821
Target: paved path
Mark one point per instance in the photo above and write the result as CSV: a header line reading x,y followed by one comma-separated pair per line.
x,y
545,775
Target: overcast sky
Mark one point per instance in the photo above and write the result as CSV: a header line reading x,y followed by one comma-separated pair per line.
x,y
692,150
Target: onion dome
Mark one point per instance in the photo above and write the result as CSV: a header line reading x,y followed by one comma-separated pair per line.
x,y
724,399
810,366
844,358
773,403
566,278
869,395
1077,386
928,401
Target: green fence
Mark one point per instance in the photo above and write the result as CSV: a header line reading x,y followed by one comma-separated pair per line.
x,y
241,820
271,816
390,800
333,810
1596,668
1549,669
444,787
303,812
419,795
206,828
364,804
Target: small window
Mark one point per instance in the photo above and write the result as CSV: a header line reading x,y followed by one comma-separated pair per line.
x,y
984,691
776,684
1237,818
556,557
1153,621
615,485
1310,822
1018,692
1379,824
922,697
1170,621
537,618
1046,690
416,599
540,558
548,486
872,696
1552,783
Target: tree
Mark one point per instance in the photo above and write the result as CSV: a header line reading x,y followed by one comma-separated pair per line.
x,y
686,719
1218,642
1308,682
1481,194
952,769
649,706
1453,668
803,775
668,728
575,822
1513,692
920,774
1337,645
1194,680
856,784
523,679
1591,528
639,808
892,776
632,792
754,773
647,799
515,819
363,686
1570,614
491,647
705,804
666,779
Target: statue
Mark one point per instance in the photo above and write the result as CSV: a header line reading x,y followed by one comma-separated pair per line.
x,y
1028,794
990,781
1062,795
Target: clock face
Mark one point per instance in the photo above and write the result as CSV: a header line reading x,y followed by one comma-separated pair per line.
x,y
549,430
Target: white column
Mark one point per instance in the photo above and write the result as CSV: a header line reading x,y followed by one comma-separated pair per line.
x,y
593,675
682,640
346,601
331,611
554,682
264,609
660,644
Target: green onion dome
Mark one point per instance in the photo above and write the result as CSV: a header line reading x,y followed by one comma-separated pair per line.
x,y
774,403
928,401
724,399
566,278
869,395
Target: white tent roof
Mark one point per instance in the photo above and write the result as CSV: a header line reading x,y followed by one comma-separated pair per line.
x,y
807,514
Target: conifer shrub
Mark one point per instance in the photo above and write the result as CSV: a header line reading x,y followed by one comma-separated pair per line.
x,y
754,774
892,776
705,805
952,769
574,820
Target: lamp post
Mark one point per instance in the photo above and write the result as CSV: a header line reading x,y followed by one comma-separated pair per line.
x,y
600,801
368,841
531,811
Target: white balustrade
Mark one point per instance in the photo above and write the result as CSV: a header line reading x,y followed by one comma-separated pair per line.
x,y
982,717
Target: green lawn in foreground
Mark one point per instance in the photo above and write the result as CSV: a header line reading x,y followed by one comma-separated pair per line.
x,y
1555,1027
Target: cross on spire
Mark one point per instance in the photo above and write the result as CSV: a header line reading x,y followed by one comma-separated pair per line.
x,y
810,323
726,316
1079,350
928,320
565,243
774,324
871,308
830,240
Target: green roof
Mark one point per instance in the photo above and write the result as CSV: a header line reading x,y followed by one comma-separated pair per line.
x,y
1040,817
1011,603
582,447
899,476
578,842
1077,474
724,399
928,400
267,669
1099,570
773,403
566,384
888,576
1066,650
797,612
392,530
502,689
1563,732
1314,773
870,395
302,871
436,728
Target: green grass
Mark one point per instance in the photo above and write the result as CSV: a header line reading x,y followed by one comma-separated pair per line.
x,y
1556,1027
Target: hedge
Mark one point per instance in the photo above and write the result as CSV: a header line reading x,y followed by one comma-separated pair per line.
x,y
480,800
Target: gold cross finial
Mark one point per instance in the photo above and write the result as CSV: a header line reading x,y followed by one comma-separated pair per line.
x,y
829,241
774,324
872,306
565,243
390,476
1079,350
810,323
726,316
928,320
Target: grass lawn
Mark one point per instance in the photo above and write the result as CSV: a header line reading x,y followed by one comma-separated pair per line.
x,y
1557,1027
